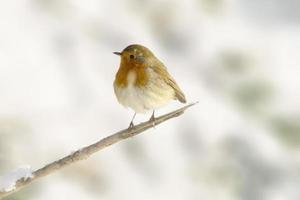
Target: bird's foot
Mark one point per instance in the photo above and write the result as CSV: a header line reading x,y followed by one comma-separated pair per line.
x,y
152,119
131,125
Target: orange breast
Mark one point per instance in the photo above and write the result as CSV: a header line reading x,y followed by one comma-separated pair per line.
x,y
125,68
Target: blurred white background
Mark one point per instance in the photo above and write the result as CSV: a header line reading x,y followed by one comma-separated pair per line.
x,y
238,58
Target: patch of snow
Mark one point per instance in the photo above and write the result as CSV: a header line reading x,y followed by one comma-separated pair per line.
x,y
8,181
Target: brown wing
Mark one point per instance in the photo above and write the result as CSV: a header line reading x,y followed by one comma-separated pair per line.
x,y
162,70
178,93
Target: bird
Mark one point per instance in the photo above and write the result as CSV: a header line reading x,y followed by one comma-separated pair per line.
x,y
143,83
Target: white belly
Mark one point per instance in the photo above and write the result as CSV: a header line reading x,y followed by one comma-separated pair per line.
x,y
141,99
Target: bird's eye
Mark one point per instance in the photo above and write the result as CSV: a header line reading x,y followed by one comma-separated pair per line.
x,y
131,56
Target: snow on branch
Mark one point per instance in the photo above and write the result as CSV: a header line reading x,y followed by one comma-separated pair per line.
x,y
22,177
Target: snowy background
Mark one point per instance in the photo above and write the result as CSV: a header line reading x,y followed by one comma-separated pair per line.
x,y
240,59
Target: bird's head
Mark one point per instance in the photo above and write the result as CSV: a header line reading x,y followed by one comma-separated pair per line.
x,y
135,55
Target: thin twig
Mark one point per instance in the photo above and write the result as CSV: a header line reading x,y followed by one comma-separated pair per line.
x,y
85,152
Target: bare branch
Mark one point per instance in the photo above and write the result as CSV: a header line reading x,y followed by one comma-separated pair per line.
x,y
85,152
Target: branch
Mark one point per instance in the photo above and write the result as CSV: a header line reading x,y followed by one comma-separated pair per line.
x,y
85,152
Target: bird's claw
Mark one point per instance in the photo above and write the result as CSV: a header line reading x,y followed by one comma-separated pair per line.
x,y
152,119
131,125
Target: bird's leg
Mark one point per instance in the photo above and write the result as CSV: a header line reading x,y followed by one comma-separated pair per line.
x,y
152,119
131,123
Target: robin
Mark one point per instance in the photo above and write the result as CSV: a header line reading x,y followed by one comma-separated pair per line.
x,y
143,82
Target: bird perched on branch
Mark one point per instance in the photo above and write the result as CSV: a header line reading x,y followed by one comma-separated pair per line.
x,y
143,82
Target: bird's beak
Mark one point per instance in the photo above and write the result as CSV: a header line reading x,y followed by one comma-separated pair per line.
x,y
117,53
